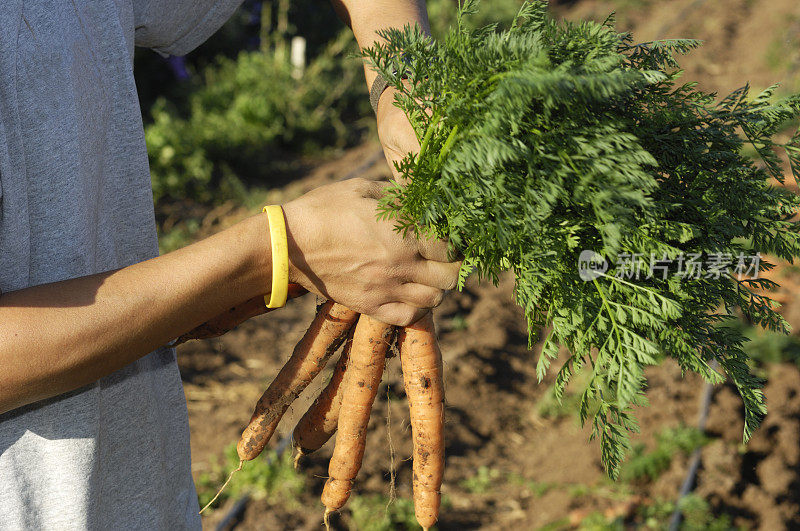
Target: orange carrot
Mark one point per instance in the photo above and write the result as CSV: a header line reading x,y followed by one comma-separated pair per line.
x,y
235,316
320,421
323,337
421,361
360,385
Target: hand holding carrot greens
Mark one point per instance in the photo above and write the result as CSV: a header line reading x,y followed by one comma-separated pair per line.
x,y
548,141
337,250
355,259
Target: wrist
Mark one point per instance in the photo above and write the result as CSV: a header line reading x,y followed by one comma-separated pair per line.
x,y
384,101
260,253
295,216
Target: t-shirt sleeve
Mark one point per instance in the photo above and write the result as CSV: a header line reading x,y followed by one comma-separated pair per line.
x,y
176,27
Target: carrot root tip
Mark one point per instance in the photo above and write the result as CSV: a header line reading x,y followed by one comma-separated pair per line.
x,y
241,462
326,519
297,457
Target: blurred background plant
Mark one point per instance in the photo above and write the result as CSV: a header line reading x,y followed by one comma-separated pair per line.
x,y
278,82
277,90
246,118
270,476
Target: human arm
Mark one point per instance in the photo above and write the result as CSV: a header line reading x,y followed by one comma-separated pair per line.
x,y
365,18
234,316
57,337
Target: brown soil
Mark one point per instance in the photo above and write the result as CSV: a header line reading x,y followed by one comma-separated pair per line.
x,y
542,469
492,422
744,41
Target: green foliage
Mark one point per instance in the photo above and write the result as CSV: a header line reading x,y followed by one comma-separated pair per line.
x,y
579,490
765,347
554,406
459,322
268,476
247,114
375,513
537,488
597,521
442,14
481,481
643,465
697,515
178,237
548,139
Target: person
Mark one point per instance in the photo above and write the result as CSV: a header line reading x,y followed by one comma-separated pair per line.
x,y
93,420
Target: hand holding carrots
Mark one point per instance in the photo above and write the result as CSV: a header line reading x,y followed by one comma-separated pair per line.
x,y
338,250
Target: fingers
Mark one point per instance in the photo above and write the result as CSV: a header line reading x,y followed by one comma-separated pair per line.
x,y
399,314
420,296
438,250
440,275
415,300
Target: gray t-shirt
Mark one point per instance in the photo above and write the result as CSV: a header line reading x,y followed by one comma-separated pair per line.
x,y
75,199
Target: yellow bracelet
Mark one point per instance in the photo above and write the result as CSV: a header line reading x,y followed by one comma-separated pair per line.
x,y
280,257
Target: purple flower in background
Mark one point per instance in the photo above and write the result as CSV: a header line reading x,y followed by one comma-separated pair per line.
x,y
177,63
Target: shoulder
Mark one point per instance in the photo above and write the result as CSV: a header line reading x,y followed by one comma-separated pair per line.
x,y
176,27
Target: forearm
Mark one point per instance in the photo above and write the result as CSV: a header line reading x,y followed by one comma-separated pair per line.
x,y
366,17
58,337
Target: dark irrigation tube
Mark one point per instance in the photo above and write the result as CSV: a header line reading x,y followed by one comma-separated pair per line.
x,y
233,517
694,463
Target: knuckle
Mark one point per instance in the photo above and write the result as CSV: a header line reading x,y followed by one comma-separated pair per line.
x,y
394,270
368,188
437,298
358,185
452,283
406,316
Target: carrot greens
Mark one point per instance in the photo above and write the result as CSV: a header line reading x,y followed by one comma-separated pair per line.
x,y
576,158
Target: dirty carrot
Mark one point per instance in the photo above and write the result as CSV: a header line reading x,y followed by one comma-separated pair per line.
x,y
323,337
319,422
361,380
235,316
421,361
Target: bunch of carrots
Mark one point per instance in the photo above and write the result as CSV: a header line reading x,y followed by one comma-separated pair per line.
x,y
344,405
